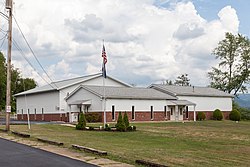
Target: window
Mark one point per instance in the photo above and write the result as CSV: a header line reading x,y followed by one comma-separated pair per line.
x,y
171,111
35,114
181,111
152,113
42,114
165,111
22,113
113,112
186,111
133,112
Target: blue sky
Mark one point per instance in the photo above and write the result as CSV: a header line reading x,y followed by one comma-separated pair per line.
x,y
209,9
147,41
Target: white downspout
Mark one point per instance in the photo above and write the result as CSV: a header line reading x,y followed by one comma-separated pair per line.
x,y
194,113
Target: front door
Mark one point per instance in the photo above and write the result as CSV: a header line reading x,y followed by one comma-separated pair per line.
x,y
172,113
180,113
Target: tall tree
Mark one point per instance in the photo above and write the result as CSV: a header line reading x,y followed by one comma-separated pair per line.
x,y
18,84
233,72
167,82
2,81
182,80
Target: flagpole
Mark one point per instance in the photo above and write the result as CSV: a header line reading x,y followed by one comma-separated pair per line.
x,y
104,103
104,90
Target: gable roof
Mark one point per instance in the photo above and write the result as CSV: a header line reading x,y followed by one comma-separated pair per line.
x,y
58,85
124,93
190,91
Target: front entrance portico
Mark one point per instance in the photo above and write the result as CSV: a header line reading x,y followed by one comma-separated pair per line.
x,y
177,109
76,107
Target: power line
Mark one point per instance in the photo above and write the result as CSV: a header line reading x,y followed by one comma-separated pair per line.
x,y
33,52
4,38
27,60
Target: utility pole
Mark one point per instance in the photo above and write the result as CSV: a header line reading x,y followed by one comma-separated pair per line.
x,y
9,6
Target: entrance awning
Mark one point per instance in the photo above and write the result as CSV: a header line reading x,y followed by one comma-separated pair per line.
x,y
82,102
181,103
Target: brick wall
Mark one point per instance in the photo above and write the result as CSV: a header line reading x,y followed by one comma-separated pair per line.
x,y
209,115
44,117
139,116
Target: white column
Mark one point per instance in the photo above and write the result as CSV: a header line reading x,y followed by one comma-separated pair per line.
x,y
194,114
70,116
176,113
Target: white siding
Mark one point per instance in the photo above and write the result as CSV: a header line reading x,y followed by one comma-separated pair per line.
x,y
82,94
209,103
96,81
48,101
140,105
99,82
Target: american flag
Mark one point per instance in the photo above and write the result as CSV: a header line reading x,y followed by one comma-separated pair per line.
x,y
104,55
104,62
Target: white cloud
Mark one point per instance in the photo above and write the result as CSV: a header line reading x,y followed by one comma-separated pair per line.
x,y
229,19
144,43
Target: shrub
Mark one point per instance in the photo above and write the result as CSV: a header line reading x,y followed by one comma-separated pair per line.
x,y
82,122
201,116
91,128
234,115
131,128
217,115
125,120
93,117
107,127
120,126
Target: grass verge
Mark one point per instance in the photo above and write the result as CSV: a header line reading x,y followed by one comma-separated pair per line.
x,y
205,143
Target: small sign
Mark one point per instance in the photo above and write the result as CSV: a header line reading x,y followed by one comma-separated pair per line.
x,y
8,109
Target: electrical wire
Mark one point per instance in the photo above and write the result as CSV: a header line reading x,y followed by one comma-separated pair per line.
x,y
33,52
3,41
27,60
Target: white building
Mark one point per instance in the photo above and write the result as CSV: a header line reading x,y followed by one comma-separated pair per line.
x,y
47,103
206,99
63,100
141,104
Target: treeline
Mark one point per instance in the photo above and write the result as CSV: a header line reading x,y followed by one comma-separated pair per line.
x,y
245,112
18,83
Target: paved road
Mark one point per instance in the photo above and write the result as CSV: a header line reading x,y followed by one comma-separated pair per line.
x,y
18,155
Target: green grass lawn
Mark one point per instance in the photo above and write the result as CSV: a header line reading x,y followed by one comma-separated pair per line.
x,y
206,143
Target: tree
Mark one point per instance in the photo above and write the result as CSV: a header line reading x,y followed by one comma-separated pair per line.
x,y
18,84
182,80
233,71
125,120
167,82
82,122
3,75
120,126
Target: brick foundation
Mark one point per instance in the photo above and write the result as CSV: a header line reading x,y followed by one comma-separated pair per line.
x,y
209,115
139,116
44,117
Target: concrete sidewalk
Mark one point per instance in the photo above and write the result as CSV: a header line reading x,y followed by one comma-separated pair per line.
x,y
102,162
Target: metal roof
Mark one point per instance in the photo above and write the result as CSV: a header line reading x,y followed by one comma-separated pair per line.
x,y
190,91
125,92
58,85
182,102
85,102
